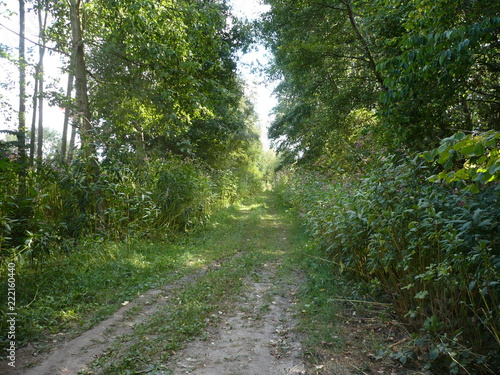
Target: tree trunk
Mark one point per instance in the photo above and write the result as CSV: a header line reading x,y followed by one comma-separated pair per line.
x,y
21,135
81,84
67,112
21,131
39,148
366,47
33,120
72,143
42,23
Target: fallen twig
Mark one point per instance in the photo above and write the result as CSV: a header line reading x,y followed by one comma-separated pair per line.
x,y
358,369
399,342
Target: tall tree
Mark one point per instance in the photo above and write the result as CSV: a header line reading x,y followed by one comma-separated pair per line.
x,y
42,25
67,113
444,74
409,73
76,8
326,64
21,135
161,70
23,162
34,116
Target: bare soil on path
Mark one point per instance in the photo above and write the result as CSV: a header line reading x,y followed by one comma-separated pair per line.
x,y
257,338
254,334
74,355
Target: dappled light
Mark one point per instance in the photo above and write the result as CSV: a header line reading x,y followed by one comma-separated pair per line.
x,y
366,241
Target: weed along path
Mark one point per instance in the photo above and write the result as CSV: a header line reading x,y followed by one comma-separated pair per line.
x,y
231,310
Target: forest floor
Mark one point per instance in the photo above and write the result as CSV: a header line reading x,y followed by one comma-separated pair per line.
x,y
266,305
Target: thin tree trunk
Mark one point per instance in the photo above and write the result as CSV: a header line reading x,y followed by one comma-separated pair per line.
x,y
81,84
371,61
72,143
39,148
21,134
67,112
33,120
42,24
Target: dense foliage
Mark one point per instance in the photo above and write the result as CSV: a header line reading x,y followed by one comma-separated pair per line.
x,y
430,249
409,73
162,131
366,86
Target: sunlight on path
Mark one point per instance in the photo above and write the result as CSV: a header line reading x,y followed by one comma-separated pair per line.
x,y
256,336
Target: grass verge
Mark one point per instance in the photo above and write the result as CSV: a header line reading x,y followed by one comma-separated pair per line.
x,y
343,328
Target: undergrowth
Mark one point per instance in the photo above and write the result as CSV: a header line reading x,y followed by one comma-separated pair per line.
x,y
430,249
121,199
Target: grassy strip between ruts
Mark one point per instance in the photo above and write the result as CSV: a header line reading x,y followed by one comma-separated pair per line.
x,y
260,235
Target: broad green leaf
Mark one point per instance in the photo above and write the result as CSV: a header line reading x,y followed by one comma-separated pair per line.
x,y
434,354
495,168
479,149
422,294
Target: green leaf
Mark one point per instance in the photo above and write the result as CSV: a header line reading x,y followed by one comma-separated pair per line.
x,y
444,156
472,285
448,164
444,146
495,168
473,188
433,354
468,150
429,155
479,149
422,294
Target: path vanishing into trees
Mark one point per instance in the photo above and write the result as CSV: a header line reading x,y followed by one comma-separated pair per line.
x,y
234,315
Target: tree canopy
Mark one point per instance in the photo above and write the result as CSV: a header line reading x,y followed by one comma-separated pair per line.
x,y
155,97
405,73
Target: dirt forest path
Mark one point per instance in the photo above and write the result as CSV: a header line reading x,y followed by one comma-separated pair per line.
x,y
257,337
248,324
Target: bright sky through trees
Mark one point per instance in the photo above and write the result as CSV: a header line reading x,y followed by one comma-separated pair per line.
x,y
54,117
260,90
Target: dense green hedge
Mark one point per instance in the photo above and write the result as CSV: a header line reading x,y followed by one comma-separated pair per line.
x,y
431,248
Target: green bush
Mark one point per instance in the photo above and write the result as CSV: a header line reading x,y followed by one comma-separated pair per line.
x,y
183,193
431,248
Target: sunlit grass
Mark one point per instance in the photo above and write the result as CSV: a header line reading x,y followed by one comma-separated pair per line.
x,y
79,290
243,241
